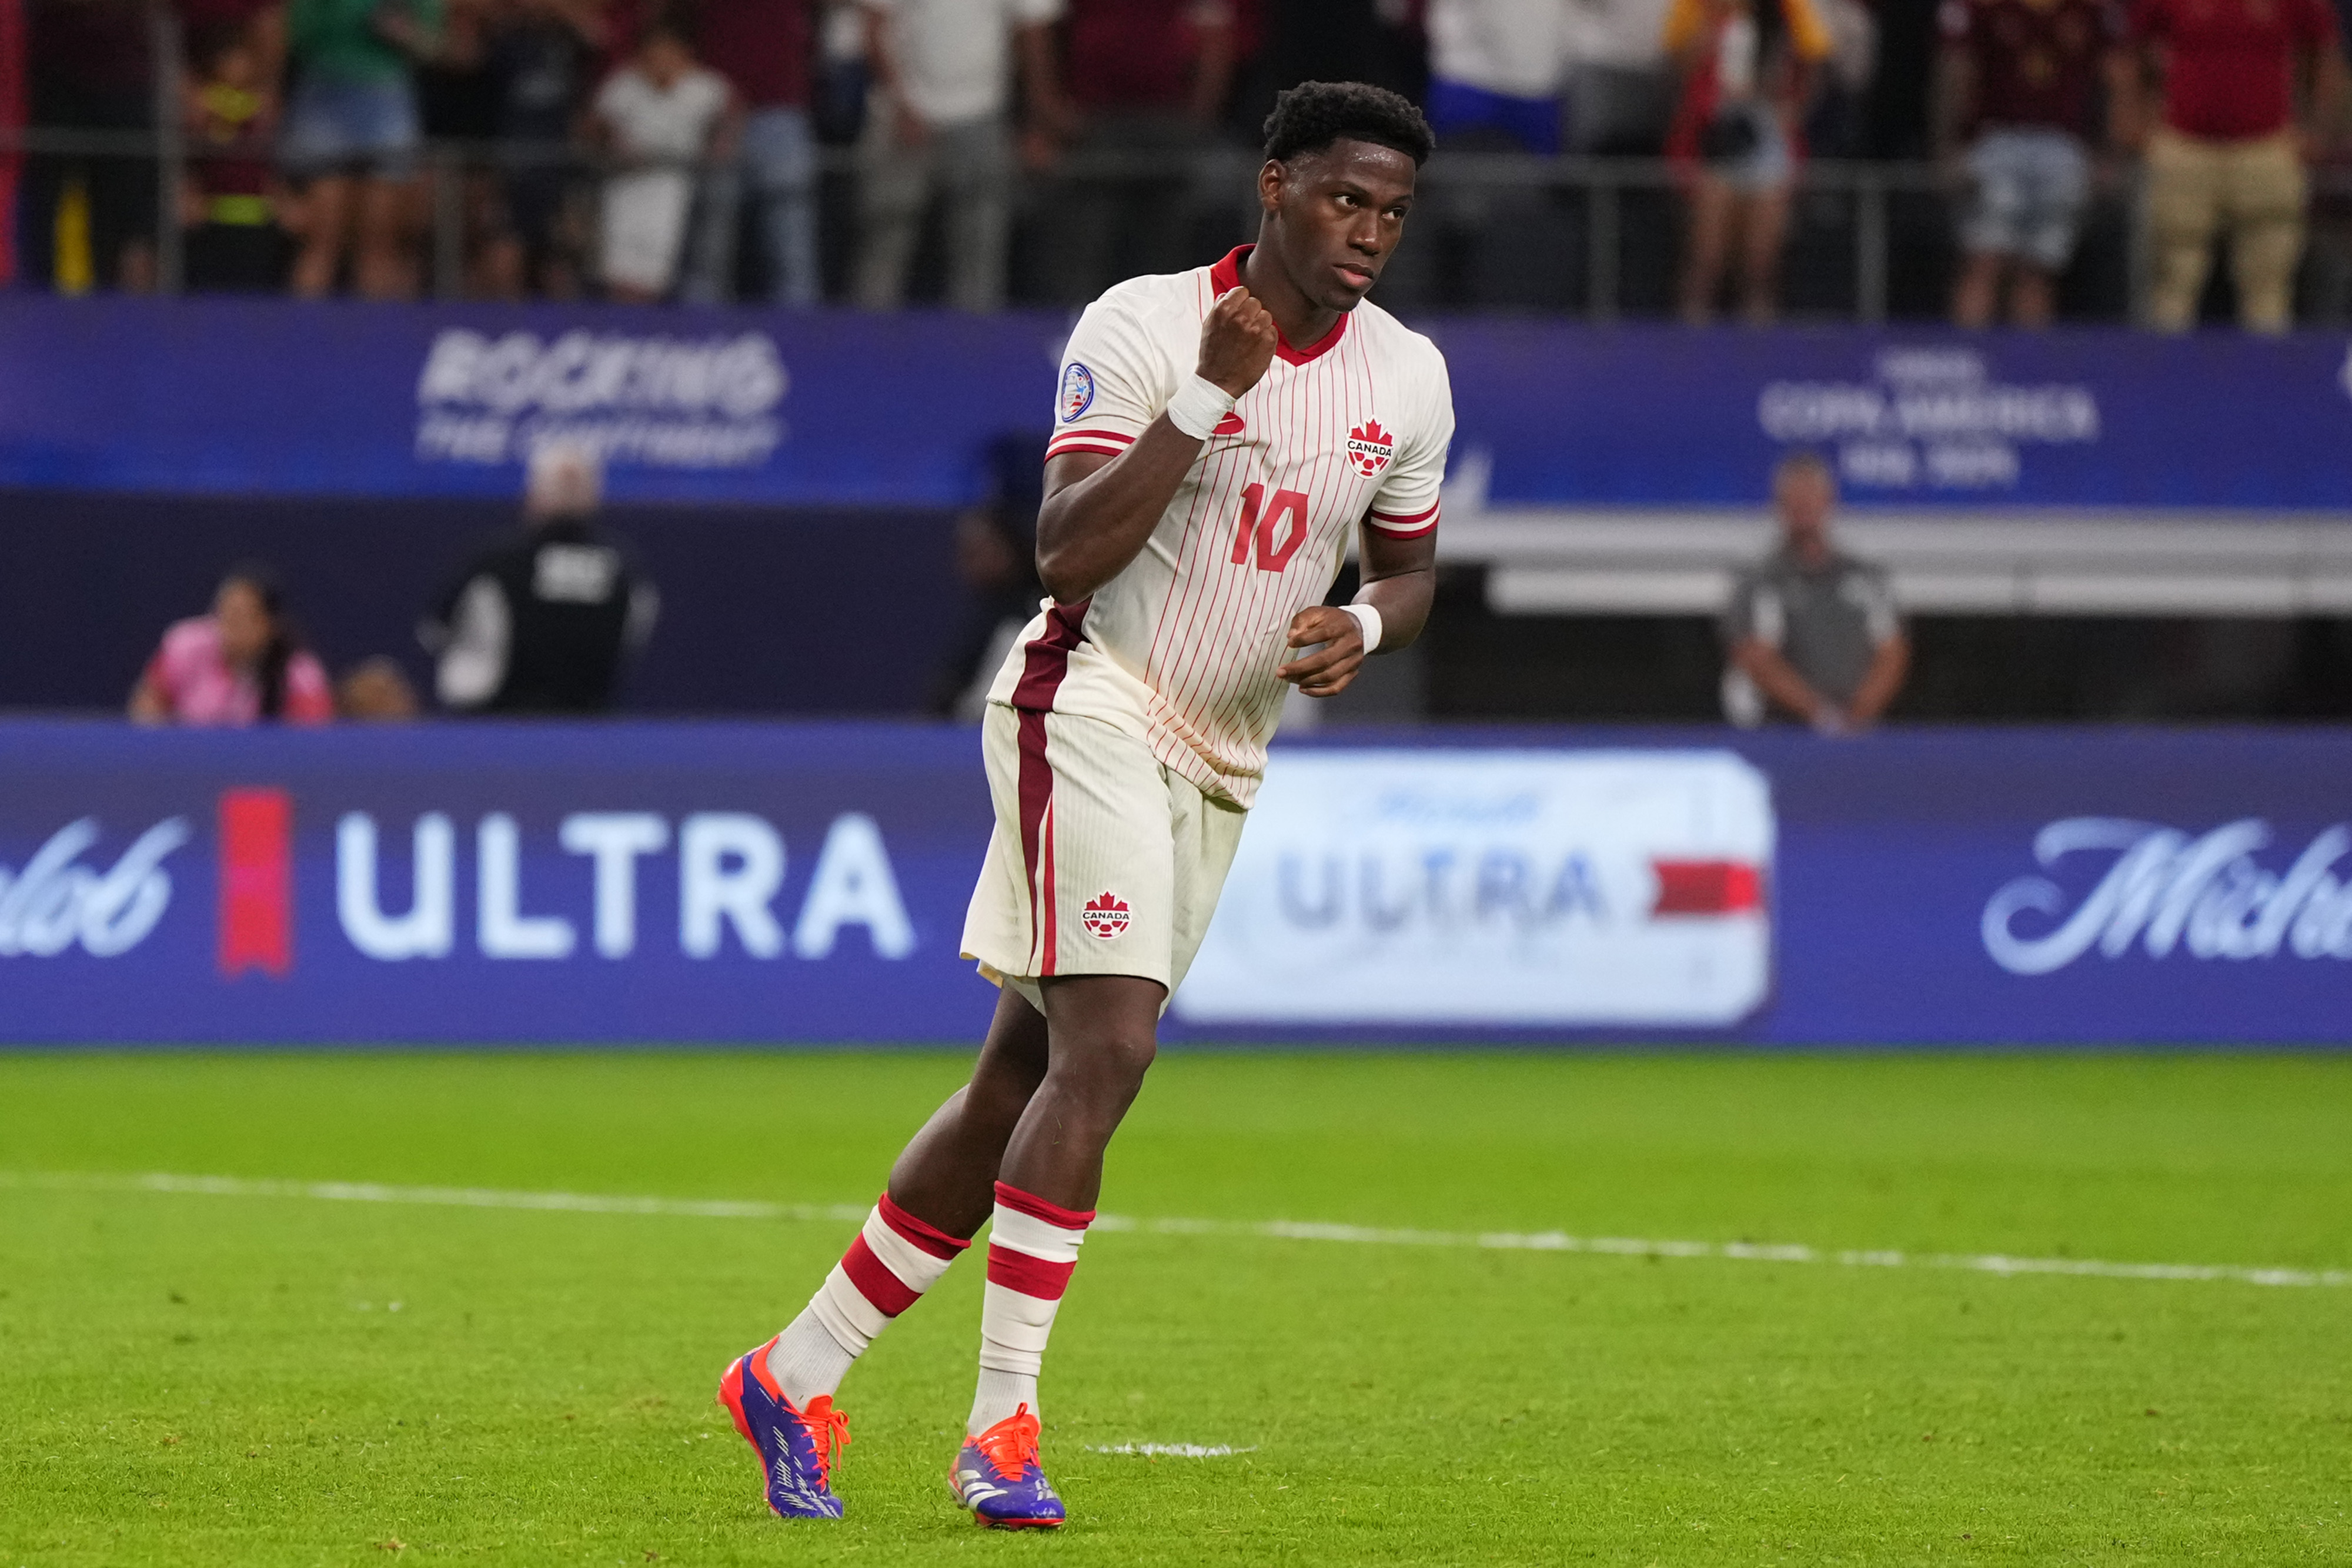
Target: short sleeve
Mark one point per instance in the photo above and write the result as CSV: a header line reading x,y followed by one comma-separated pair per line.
x,y
1881,615
1809,30
1112,384
177,659
1686,20
613,97
308,699
1406,504
1755,612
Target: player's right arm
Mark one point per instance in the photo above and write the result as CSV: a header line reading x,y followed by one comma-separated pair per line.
x,y
1099,509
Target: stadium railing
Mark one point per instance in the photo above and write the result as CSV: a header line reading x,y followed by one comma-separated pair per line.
x,y
1595,237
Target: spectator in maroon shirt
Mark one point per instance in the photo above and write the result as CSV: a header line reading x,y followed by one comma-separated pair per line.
x,y
2019,82
2227,162
1146,78
765,48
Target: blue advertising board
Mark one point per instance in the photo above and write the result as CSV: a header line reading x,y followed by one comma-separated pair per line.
x,y
806,883
834,408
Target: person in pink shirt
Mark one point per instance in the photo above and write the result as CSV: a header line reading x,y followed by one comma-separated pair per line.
x,y
241,664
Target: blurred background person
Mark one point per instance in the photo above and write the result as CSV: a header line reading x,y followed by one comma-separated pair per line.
x,y
540,55
1146,79
230,198
376,691
938,124
1495,70
1747,68
1621,80
88,65
996,561
543,619
766,50
656,117
2017,85
352,131
1811,633
242,663
2248,89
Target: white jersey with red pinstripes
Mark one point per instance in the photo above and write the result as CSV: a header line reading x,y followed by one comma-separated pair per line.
x,y
1180,647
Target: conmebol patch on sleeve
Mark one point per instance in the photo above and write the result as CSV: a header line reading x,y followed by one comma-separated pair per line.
x,y
1516,888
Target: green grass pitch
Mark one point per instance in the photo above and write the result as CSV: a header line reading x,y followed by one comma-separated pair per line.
x,y
189,1378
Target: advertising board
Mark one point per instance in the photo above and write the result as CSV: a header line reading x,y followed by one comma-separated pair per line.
x,y
806,883
1519,888
214,396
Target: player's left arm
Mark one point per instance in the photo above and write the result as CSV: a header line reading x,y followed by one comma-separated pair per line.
x,y
1399,578
1397,553
1890,662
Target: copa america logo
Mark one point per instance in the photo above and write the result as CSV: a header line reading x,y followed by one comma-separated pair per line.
x,y
1077,390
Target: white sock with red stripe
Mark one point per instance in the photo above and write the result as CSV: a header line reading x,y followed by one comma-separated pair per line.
x,y
1033,1245
890,1264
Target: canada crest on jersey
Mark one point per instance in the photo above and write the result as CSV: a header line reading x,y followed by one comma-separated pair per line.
x,y
1106,917
1369,447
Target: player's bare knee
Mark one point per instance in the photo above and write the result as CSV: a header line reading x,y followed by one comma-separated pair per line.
x,y
1104,1072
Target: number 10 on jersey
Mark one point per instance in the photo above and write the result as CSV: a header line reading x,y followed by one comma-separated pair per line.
x,y
1262,520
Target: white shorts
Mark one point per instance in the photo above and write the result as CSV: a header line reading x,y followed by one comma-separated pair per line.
x,y
1103,861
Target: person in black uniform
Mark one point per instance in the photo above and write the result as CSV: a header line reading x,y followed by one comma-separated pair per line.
x,y
541,620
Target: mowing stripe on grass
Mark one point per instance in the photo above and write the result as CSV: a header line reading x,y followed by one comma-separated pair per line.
x,y
1271,1229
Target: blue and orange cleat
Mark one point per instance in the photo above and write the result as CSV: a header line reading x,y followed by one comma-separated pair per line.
x,y
797,1448
998,1478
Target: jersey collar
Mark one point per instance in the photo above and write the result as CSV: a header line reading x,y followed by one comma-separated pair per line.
x,y
1227,274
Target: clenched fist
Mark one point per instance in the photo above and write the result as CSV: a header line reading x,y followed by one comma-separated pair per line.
x,y
1237,340
1326,672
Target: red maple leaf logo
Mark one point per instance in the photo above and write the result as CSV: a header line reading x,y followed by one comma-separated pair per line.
x,y
1105,915
1369,447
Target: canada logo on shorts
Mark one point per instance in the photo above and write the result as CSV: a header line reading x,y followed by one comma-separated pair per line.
x,y
1107,916
1369,447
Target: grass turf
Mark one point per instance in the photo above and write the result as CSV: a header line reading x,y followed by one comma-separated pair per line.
x,y
190,1379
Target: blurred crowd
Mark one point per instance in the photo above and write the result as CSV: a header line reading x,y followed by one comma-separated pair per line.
x,y
979,150
542,620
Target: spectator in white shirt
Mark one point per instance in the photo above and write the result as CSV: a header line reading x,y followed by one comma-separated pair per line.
x,y
657,116
1495,68
1621,81
939,125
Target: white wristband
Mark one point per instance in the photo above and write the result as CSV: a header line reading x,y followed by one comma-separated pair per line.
x,y
1369,619
1197,405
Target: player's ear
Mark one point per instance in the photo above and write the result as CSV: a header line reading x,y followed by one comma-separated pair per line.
x,y
1269,185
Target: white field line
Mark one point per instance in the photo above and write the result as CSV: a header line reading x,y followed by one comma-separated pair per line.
x,y
1171,1450
1271,1229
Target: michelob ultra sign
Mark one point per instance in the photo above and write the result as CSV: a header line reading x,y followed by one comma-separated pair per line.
x,y
1517,888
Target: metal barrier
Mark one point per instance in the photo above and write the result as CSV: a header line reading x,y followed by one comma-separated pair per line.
x,y
1845,223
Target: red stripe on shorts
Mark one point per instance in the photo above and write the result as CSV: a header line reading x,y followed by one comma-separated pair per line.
x,y
890,1294
1045,665
1030,1276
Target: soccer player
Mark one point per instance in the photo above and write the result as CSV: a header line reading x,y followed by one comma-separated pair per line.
x,y
1219,435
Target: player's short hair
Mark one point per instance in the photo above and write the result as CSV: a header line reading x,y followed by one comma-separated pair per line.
x,y
1311,116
